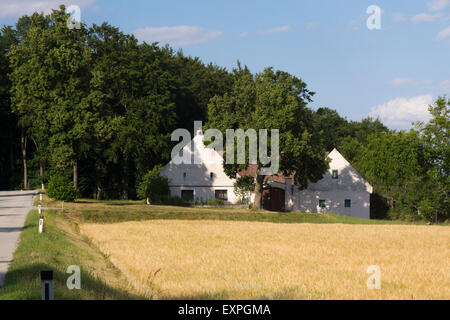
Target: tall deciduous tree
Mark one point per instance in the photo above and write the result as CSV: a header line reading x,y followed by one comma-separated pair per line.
x,y
9,135
50,88
436,138
272,100
28,96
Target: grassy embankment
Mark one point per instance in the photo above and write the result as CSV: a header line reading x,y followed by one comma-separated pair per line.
x,y
92,211
59,246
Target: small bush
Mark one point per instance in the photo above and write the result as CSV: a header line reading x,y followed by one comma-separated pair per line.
x,y
153,186
243,187
61,188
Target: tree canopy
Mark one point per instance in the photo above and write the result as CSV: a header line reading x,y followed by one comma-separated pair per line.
x,y
266,101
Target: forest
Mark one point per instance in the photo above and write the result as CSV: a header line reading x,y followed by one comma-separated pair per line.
x,y
95,106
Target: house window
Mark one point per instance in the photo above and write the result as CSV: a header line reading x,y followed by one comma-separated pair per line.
x,y
334,175
322,204
187,195
347,203
221,194
211,175
184,175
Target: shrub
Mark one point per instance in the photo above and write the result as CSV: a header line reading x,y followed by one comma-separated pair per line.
x,y
154,187
61,188
243,187
173,201
215,202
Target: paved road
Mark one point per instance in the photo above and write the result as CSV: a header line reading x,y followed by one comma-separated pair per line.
x,y
14,206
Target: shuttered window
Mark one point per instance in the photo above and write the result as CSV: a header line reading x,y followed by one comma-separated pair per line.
x,y
335,175
221,194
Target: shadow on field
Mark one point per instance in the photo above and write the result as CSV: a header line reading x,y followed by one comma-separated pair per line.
x,y
25,283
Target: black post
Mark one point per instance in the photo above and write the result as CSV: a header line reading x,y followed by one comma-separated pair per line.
x,y
47,284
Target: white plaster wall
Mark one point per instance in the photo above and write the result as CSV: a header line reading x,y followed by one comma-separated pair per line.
x,y
198,174
308,201
349,185
205,193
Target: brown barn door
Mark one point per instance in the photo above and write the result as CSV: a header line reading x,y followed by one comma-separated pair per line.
x,y
273,199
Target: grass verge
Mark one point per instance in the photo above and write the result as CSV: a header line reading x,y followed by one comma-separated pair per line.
x,y
92,211
59,246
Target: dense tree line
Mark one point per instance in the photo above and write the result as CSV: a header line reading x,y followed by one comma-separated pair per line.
x,y
95,106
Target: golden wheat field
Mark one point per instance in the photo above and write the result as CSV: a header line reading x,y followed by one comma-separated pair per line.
x,y
170,259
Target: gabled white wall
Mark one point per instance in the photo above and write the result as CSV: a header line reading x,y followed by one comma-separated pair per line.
x,y
198,175
349,185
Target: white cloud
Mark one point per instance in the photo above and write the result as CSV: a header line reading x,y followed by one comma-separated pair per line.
x,y
444,34
17,8
425,17
176,36
437,5
399,113
445,84
285,28
243,34
401,81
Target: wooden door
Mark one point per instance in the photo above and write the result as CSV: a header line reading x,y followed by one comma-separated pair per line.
x,y
273,199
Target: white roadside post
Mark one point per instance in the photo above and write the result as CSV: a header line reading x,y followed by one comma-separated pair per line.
x,y
41,223
40,196
47,284
41,219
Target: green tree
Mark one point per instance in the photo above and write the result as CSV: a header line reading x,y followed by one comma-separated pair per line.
x,y
27,94
50,84
153,187
390,160
272,100
61,188
436,139
331,126
9,133
361,130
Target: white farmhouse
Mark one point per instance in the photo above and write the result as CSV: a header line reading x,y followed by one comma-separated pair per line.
x,y
342,190
202,181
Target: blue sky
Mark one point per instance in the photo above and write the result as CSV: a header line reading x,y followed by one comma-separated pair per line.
x,y
393,73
